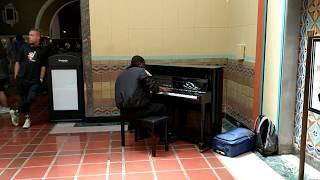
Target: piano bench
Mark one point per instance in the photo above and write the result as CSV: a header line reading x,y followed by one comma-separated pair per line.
x,y
154,125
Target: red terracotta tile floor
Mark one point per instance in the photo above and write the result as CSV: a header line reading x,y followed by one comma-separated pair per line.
x,y
36,154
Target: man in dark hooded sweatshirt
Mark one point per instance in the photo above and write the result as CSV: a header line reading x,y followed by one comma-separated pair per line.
x,y
134,88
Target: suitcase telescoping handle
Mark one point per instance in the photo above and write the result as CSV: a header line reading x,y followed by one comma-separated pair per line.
x,y
221,152
220,149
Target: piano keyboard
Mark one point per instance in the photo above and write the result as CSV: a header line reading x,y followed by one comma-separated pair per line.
x,y
179,95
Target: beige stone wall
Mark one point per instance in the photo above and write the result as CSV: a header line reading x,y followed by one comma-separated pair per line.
x,y
215,28
242,27
174,31
158,27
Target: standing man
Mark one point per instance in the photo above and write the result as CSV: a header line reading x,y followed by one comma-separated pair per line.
x,y
29,71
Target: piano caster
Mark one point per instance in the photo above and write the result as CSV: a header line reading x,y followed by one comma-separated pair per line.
x,y
203,147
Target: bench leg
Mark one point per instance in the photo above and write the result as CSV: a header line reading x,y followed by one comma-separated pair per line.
x,y
154,142
122,133
154,145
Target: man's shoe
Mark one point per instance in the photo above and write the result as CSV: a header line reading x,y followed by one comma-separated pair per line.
x,y
14,117
27,122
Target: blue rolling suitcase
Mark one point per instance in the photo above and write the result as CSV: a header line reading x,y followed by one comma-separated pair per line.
x,y
234,142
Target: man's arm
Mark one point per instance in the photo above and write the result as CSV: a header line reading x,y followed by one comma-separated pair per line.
x,y
44,64
42,73
149,82
16,69
19,59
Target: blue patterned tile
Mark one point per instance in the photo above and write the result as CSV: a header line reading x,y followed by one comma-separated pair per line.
x,y
309,22
318,23
316,116
297,118
317,153
310,148
301,68
314,133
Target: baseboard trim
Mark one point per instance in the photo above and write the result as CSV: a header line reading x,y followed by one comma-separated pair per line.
x,y
102,119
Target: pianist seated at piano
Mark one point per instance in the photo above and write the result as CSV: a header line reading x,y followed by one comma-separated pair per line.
x,y
134,88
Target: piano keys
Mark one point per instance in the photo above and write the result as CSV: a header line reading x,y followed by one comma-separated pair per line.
x,y
194,99
180,95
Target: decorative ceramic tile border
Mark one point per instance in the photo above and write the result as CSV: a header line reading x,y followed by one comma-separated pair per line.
x,y
103,71
244,74
313,135
301,70
309,21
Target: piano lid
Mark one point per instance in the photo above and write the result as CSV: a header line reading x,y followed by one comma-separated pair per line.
x,y
190,71
189,65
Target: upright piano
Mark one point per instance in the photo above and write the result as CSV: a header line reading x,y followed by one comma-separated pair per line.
x,y
194,100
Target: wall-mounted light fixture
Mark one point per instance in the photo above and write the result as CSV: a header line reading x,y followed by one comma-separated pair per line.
x,y
10,15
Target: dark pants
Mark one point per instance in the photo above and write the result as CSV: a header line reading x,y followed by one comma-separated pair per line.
x,y
3,84
152,109
28,92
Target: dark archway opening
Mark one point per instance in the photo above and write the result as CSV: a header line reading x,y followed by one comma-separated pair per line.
x,y
65,28
70,21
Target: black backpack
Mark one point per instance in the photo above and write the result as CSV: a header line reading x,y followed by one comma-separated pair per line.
x,y
266,137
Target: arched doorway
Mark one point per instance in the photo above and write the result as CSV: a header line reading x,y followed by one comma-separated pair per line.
x,y
44,21
66,22
52,8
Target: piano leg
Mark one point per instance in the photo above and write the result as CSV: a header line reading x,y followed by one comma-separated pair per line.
x,y
203,146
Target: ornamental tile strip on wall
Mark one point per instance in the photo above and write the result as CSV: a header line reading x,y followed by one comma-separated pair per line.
x,y
309,21
238,87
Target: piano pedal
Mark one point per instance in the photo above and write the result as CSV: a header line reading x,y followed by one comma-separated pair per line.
x,y
203,147
172,138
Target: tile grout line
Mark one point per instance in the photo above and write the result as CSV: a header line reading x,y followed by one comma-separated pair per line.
x,y
19,132
151,160
111,163
97,175
99,163
7,143
18,154
31,155
55,158
180,163
109,156
108,170
135,172
123,162
212,169
81,159
73,154
12,160
28,179
224,166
